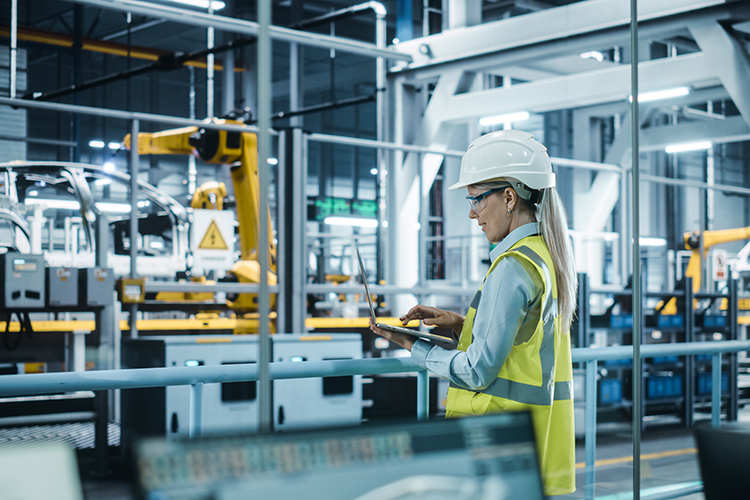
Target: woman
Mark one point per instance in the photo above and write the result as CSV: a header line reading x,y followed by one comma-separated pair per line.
x,y
514,343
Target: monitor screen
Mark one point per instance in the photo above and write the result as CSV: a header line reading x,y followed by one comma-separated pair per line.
x,y
441,458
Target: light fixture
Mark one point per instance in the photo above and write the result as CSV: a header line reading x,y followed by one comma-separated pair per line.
x,y
203,4
646,241
592,54
374,171
350,221
272,161
33,192
114,145
593,235
103,182
507,118
114,208
688,146
109,166
118,208
96,144
658,95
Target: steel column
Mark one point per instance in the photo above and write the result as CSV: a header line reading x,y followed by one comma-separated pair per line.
x,y
732,316
590,432
133,160
716,390
299,219
689,360
636,205
264,149
421,233
196,410
423,395
13,47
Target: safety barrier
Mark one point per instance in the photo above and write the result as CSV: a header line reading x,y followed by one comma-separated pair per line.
x,y
195,377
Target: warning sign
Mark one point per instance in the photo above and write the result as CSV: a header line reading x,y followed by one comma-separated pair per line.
x,y
213,240
719,264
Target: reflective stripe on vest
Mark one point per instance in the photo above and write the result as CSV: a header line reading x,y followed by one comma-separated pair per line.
x,y
525,393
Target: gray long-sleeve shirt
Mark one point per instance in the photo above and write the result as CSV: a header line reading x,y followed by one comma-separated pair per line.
x,y
508,295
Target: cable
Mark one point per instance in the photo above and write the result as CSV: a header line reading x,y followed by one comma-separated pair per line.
x,y
9,344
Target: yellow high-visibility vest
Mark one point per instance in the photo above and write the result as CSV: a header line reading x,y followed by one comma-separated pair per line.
x,y
536,377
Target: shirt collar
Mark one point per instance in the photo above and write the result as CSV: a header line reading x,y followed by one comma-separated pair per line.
x,y
514,237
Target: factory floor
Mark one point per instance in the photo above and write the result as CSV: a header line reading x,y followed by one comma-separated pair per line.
x,y
669,463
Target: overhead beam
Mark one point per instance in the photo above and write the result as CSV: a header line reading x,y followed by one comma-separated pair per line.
x,y
556,24
232,25
99,46
728,60
719,131
585,89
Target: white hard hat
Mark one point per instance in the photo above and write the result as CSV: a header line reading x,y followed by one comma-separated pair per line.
x,y
506,154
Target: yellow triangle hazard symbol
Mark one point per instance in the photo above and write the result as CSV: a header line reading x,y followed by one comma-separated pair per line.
x,y
213,240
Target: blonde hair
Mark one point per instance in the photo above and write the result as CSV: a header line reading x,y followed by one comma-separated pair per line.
x,y
553,223
553,226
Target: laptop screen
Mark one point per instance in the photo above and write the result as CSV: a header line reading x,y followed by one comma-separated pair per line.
x,y
363,274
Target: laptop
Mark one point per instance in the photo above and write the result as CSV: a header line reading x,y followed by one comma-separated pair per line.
x,y
487,456
393,328
723,456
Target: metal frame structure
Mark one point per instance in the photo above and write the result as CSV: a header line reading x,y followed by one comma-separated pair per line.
x,y
455,101
452,61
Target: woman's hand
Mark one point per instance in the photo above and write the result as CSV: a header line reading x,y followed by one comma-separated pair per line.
x,y
432,316
402,339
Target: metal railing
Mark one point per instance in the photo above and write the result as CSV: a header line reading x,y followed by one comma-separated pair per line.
x,y
196,377
591,357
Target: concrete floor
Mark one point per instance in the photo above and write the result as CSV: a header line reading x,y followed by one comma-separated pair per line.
x,y
669,459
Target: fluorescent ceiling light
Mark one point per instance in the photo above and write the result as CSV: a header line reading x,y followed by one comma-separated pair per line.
x,y
351,221
374,171
109,166
652,242
114,145
658,95
96,144
688,146
115,208
119,208
272,161
592,54
203,4
593,235
496,120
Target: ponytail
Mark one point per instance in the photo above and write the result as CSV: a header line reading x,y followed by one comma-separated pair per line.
x,y
553,223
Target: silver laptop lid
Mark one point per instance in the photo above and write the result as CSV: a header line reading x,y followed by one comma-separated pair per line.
x,y
364,282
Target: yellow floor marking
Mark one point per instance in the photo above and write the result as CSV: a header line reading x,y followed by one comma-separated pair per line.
x,y
647,456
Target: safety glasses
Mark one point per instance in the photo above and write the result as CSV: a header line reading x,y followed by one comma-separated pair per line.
x,y
474,201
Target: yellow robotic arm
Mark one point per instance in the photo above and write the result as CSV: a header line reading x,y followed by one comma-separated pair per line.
x,y
710,238
210,196
239,149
